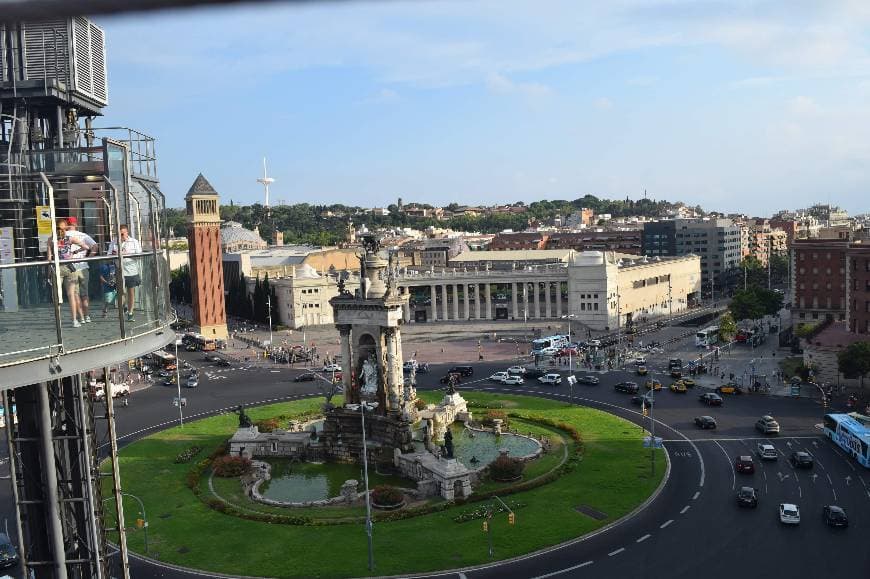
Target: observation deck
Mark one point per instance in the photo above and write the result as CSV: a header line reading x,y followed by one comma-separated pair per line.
x,y
108,182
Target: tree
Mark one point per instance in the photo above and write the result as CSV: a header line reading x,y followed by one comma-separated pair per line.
x,y
179,285
754,303
727,327
854,360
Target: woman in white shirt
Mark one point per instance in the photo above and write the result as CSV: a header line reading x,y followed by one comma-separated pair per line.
x,y
130,267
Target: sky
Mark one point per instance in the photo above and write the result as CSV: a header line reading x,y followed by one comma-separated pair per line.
x,y
740,106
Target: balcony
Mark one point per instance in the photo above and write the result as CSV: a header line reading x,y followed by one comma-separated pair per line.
x,y
38,286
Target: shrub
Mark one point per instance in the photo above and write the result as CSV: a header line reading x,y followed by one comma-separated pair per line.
x,y
231,466
505,469
492,415
267,424
387,495
188,454
420,404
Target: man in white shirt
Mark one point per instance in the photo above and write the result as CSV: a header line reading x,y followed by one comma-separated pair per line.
x,y
87,245
130,267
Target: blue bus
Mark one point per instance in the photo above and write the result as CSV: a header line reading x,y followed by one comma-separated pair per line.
x,y
850,434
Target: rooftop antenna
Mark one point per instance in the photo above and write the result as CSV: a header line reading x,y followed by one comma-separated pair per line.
x,y
265,180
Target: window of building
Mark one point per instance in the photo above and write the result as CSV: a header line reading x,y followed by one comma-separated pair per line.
x,y
815,315
274,446
596,306
583,306
815,270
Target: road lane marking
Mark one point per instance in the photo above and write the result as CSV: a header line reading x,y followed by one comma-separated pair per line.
x,y
644,538
666,523
568,570
728,460
684,509
696,495
617,552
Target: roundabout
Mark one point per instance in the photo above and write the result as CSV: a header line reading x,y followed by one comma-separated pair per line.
x,y
594,472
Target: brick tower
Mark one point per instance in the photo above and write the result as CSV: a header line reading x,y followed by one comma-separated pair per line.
x,y
206,263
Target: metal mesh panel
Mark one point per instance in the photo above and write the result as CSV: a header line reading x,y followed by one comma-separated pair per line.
x,y
46,51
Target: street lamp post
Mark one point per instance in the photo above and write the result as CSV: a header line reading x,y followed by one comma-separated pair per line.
x,y
363,406
178,386
269,306
144,516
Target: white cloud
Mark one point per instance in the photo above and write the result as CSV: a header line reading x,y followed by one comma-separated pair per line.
x,y
384,96
603,104
803,105
499,83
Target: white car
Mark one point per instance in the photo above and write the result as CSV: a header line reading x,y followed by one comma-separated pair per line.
x,y
594,343
517,370
766,451
512,380
331,368
789,514
499,377
640,361
550,379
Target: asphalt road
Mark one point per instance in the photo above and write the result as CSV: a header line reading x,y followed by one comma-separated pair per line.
x,y
693,528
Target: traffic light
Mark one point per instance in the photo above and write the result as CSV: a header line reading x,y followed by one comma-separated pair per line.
x,y
485,526
512,518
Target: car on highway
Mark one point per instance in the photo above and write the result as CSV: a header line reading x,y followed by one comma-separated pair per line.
x,y
307,377
517,370
169,382
627,387
679,387
789,514
456,377
835,516
801,459
676,373
591,380
744,464
705,422
747,497
499,377
164,373
644,400
729,389
191,383
653,384
552,379
710,399
513,380
767,425
190,348
642,371
330,368
535,373
688,382
640,361
766,451
8,553
462,370
225,364
212,358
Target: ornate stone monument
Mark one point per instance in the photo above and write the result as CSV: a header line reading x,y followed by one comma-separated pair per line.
x,y
371,362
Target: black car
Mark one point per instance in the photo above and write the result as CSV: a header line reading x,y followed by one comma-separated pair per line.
x,y
747,497
461,370
711,399
705,422
834,516
225,364
627,387
8,554
801,459
304,378
535,373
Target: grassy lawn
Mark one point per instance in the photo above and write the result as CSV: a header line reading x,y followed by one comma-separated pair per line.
x,y
613,477
790,366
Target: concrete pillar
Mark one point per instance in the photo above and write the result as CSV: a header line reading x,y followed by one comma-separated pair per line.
x,y
558,299
536,288
444,304
434,299
477,301
548,302
487,292
467,312
406,307
455,302
395,377
526,312
514,287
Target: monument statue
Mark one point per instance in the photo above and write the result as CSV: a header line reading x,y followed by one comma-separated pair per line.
x,y
370,243
369,377
244,419
451,384
448,443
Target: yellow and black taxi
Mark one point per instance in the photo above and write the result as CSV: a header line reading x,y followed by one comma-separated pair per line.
x,y
688,382
679,387
729,389
642,371
653,384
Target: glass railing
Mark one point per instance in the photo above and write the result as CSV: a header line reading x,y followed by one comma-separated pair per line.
x,y
90,310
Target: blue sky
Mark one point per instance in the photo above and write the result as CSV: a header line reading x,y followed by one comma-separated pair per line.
x,y
737,105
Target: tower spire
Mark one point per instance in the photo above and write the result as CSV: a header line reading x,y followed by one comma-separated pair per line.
x,y
265,180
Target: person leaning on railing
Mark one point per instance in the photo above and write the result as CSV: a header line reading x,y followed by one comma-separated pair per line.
x,y
73,245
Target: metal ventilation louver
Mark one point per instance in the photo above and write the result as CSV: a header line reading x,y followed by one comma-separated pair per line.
x,y
46,50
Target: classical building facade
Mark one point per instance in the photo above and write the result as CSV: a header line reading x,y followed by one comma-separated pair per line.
x,y
206,265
